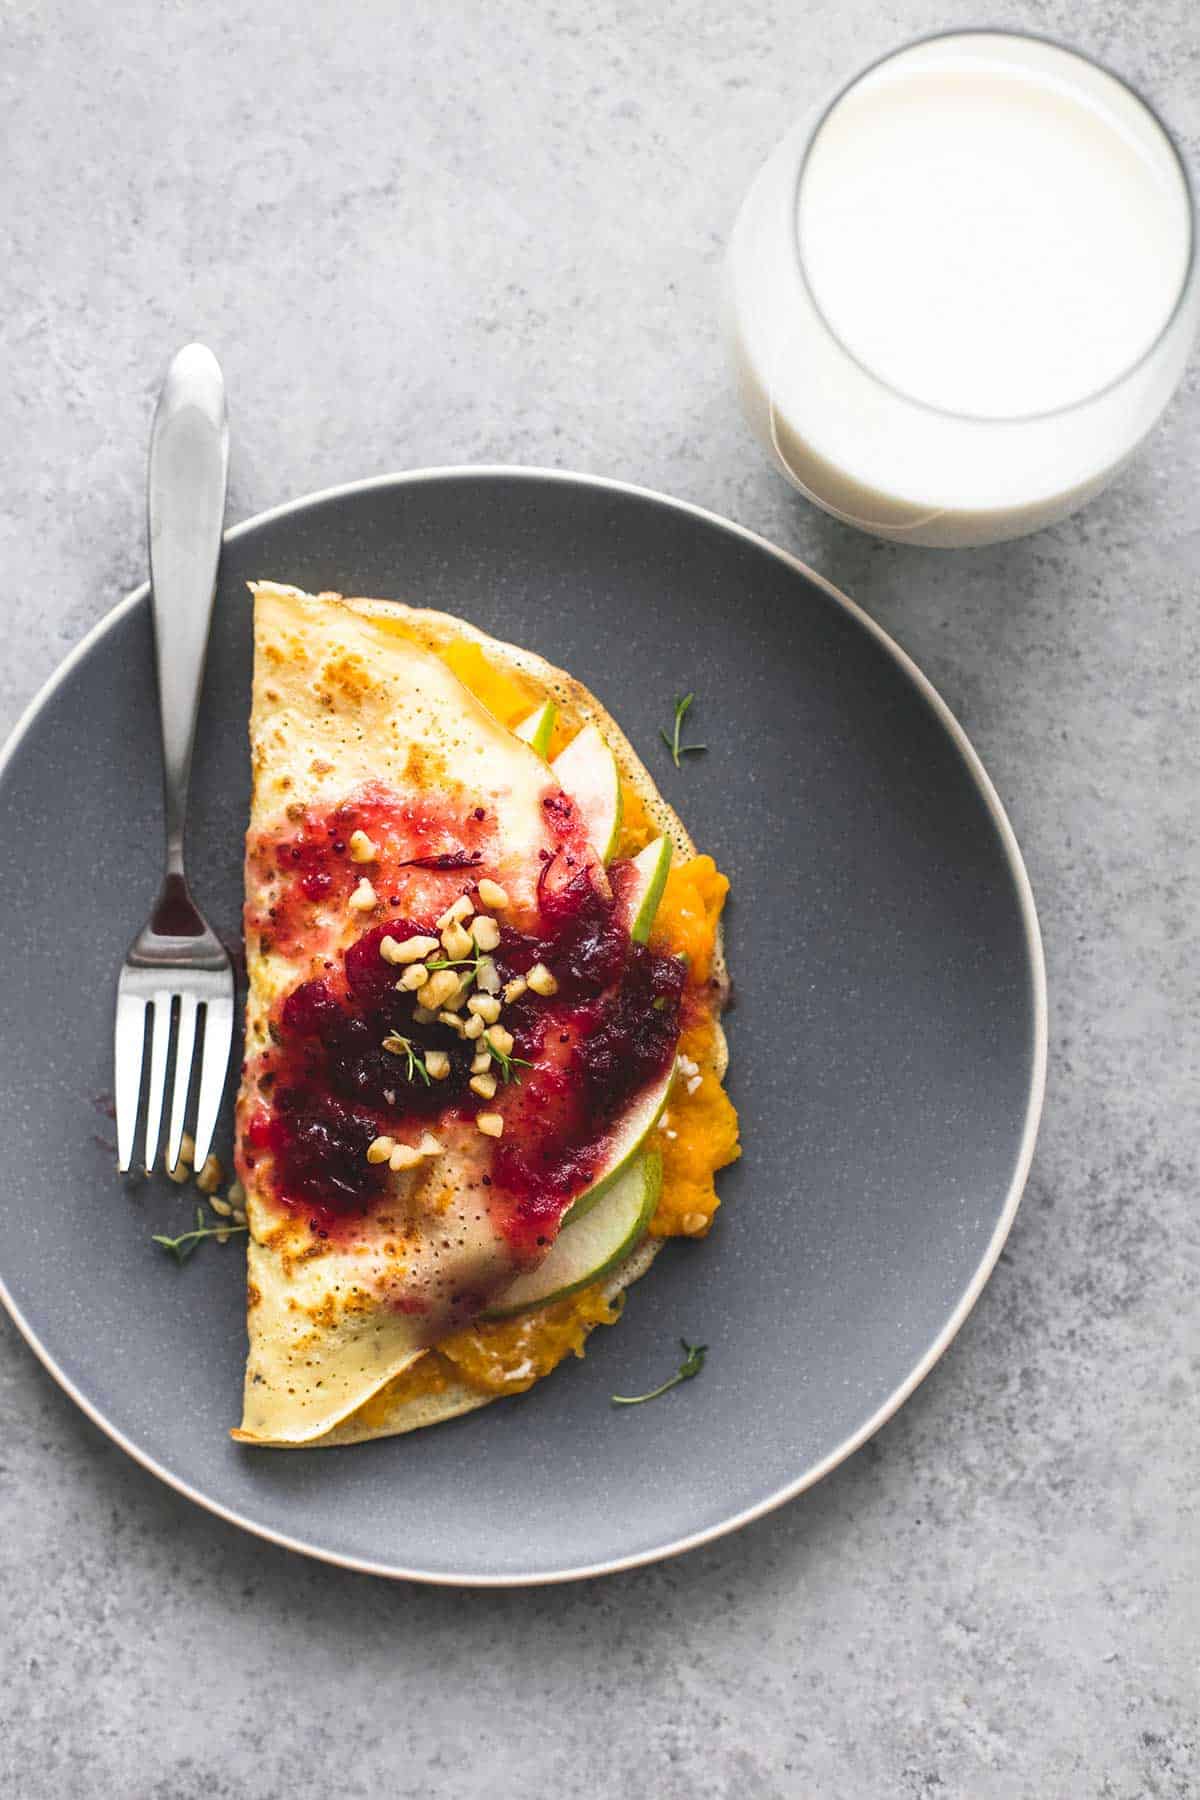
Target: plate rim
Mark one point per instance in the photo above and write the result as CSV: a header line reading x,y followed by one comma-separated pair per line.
x,y
1033,1108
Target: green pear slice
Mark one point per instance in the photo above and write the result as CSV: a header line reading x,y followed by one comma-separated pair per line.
x,y
587,771
538,728
627,1141
595,1245
653,865
650,868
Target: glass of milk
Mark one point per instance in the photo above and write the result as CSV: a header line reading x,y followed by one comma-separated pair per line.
x,y
961,299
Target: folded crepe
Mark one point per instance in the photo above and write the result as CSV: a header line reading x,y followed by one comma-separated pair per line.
x,y
460,1046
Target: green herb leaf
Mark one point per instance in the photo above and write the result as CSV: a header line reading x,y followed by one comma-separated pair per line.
x,y
508,1064
182,1247
414,1063
693,1362
673,744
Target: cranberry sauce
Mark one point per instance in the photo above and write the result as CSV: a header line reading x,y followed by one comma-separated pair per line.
x,y
580,1057
303,877
597,1056
610,1030
335,1087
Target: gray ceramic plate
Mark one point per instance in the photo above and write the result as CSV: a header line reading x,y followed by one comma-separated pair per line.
x,y
888,1038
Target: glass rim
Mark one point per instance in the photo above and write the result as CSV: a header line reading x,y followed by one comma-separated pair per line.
x,y
928,406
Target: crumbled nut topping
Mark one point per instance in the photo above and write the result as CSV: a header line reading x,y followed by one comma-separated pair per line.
x,y
454,914
487,976
438,989
486,932
492,895
364,898
208,1179
456,942
541,981
412,950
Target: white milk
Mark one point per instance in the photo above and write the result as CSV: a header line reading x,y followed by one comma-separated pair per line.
x,y
961,303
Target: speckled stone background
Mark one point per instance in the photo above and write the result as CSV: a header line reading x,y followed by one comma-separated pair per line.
x,y
423,235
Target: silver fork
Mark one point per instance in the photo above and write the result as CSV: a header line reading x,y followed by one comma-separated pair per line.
x,y
177,975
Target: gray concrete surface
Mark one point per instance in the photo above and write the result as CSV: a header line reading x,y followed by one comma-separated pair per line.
x,y
440,234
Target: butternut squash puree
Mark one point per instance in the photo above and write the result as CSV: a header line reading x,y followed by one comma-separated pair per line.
x,y
429,1376
705,1128
504,1357
686,921
508,697
700,1134
637,827
509,1355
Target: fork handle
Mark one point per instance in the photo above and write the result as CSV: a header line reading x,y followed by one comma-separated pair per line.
x,y
189,466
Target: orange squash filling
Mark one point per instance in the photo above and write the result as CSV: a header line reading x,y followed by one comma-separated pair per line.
x,y
637,827
507,696
505,1356
698,1136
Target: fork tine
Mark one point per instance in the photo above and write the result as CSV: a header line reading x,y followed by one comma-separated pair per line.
x,y
129,1042
218,1036
160,1042
185,1044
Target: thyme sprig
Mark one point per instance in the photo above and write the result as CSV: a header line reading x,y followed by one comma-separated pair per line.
x,y
682,703
414,1063
182,1247
508,1064
456,962
693,1362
